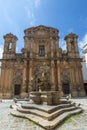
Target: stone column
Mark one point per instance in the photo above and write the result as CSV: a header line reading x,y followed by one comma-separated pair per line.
x,y
34,49
71,76
80,76
57,42
81,91
76,75
10,79
53,87
76,81
46,49
30,75
2,82
31,48
78,87
57,47
51,40
6,80
59,78
24,93
73,82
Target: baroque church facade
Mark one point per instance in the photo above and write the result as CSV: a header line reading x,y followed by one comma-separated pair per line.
x,y
41,49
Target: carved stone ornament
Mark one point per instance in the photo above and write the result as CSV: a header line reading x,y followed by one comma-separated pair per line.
x,y
65,76
18,77
41,77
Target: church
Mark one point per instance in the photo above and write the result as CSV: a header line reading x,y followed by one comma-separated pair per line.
x,y
21,72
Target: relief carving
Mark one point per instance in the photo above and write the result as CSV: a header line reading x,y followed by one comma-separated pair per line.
x,y
66,76
41,77
33,68
18,76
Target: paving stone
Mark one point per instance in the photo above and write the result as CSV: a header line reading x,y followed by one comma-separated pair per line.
x,y
69,124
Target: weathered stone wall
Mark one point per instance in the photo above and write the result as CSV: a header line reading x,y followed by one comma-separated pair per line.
x,y
19,68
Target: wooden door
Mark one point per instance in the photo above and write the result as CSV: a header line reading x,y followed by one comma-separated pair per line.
x,y
17,89
66,88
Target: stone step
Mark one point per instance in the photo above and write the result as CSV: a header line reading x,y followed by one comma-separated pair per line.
x,y
48,109
49,125
46,115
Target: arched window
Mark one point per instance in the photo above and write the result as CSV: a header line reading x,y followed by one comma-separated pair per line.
x,y
10,45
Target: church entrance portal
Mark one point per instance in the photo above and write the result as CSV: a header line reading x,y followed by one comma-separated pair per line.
x,y
17,89
66,88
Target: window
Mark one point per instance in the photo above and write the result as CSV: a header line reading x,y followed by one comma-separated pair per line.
x,y
41,50
10,45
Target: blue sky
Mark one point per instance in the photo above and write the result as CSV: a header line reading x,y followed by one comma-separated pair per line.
x,y
65,15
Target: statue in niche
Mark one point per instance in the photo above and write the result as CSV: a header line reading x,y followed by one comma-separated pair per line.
x,y
41,78
18,77
65,76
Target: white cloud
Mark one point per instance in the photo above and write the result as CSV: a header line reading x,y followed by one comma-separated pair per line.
x,y
62,44
33,19
83,41
30,15
30,8
34,3
37,3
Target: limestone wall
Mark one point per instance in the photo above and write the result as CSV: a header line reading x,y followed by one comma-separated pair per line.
x,y
84,71
84,64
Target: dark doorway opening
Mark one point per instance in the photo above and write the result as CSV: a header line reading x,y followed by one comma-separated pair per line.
x,y
17,89
85,87
66,88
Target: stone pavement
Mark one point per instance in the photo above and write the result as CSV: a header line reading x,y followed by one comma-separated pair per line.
x,y
9,122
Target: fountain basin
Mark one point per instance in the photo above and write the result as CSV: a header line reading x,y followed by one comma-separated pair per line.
x,y
45,97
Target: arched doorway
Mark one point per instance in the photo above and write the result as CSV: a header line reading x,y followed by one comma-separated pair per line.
x,y
66,81
66,88
17,89
17,82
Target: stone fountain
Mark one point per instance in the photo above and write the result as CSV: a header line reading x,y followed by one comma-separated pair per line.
x,y
42,93
47,108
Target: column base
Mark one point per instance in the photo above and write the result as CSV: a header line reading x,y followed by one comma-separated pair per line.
x,y
5,95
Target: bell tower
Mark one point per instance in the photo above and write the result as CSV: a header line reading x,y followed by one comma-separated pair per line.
x,y
9,45
75,66
72,45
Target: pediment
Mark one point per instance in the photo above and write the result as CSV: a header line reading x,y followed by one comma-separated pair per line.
x,y
40,30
